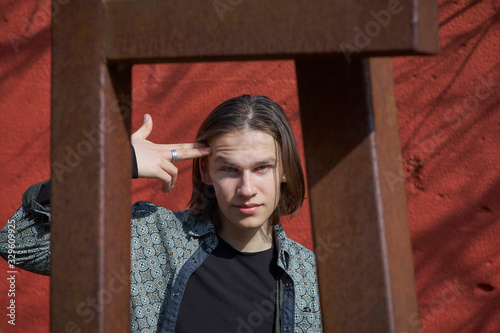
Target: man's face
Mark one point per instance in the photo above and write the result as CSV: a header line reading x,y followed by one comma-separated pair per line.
x,y
245,171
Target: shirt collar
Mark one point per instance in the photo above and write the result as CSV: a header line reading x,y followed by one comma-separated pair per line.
x,y
199,226
283,245
202,225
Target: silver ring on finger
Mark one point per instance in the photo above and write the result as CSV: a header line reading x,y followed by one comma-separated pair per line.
x,y
174,155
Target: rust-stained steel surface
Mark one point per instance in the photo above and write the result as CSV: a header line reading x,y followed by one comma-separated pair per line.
x,y
351,144
91,171
201,30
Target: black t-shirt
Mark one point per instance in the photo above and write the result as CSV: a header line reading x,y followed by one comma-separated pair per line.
x,y
231,291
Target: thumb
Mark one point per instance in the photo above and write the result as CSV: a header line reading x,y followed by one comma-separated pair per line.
x,y
145,129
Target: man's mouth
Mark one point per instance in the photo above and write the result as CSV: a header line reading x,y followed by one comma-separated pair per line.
x,y
248,208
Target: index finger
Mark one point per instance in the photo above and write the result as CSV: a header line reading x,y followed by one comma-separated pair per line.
x,y
188,151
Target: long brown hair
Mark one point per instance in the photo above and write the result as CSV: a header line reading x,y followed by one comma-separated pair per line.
x,y
251,113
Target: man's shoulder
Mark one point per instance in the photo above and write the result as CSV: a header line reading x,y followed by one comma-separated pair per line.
x,y
144,212
300,251
143,209
146,209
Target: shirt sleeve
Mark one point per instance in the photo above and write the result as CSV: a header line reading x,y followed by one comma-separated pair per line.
x,y
37,198
135,168
25,239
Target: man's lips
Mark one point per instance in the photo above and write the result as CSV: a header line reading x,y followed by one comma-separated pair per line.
x,y
248,208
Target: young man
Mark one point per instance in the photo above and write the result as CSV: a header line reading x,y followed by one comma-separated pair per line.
x,y
224,265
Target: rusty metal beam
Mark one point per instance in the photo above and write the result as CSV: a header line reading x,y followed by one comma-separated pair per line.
x,y
205,30
352,151
350,134
91,171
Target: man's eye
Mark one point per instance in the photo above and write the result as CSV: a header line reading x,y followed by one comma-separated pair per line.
x,y
263,168
228,169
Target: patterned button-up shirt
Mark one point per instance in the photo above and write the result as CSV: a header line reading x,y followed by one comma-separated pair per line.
x,y
166,248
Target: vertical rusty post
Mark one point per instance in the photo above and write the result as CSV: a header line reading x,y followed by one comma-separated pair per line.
x,y
90,260
352,148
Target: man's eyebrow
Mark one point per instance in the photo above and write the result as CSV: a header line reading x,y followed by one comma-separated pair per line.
x,y
221,159
269,160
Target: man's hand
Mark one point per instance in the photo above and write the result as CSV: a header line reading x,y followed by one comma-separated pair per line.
x,y
155,160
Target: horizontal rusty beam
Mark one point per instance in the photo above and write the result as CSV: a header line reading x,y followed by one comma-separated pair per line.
x,y
201,30
361,232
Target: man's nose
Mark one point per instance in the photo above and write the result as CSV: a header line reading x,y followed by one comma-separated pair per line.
x,y
247,186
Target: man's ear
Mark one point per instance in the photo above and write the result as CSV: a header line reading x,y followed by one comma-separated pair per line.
x,y
283,179
205,175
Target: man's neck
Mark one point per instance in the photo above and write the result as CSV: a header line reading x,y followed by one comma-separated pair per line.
x,y
248,240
